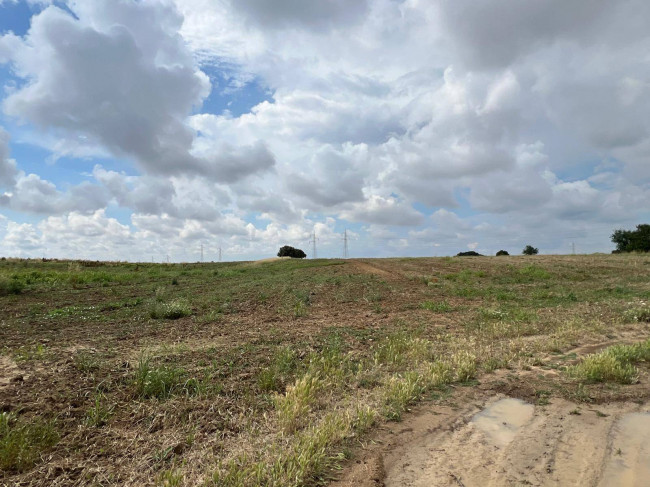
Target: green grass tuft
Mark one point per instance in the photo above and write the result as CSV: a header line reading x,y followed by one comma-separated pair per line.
x,y
171,310
615,364
21,443
164,381
439,307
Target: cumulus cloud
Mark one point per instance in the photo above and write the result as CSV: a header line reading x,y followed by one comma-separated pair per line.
x,y
31,194
331,177
288,13
8,169
526,116
383,211
117,75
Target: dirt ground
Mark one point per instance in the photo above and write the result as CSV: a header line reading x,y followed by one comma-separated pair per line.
x,y
479,438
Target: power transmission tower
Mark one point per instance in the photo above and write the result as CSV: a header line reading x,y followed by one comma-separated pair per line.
x,y
201,252
573,248
219,253
313,244
345,244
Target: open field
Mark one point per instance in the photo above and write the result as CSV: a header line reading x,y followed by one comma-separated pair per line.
x,y
295,373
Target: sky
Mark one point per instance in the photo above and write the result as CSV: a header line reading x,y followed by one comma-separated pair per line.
x,y
147,130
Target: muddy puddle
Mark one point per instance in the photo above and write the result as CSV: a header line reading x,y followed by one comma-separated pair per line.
x,y
501,421
629,460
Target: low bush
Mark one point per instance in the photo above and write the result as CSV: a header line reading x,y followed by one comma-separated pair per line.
x,y
11,286
288,251
502,252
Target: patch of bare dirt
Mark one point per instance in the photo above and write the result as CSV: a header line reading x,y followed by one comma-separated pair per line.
x,y
367,268
9,372
498,441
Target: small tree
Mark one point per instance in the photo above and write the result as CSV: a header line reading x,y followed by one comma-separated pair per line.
x,y
530,250
288,251
632,240
502,252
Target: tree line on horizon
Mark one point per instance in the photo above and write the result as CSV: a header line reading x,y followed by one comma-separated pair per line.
x,y
626,241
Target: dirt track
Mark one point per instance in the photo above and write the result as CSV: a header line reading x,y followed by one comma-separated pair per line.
x,y
502,441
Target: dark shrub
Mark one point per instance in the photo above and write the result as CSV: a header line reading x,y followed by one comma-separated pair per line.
x,y
632,240
502,252
288,251
11,286
471,253
530,250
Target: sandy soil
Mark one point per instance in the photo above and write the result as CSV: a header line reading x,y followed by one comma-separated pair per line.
x,y
502,441
9,372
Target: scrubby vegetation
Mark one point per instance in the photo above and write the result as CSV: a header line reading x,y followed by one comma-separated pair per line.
x,y
632,240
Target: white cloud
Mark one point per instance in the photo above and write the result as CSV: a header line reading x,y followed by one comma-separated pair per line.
x,y
379,113
381,210
8,171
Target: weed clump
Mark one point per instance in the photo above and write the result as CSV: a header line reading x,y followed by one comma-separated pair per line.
x,y
11,286
401,392
275,377
21,443
440,307
294,406
465,365
99,414
163,381
641,315
171,310
615,364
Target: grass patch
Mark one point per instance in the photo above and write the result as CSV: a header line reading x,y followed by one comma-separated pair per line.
x,y
401,347
465,365
401,392
436,307
22,443
99,414
641,315
305,460
294,406
164,381
170,310
11,286
86,362
615,364
281,369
